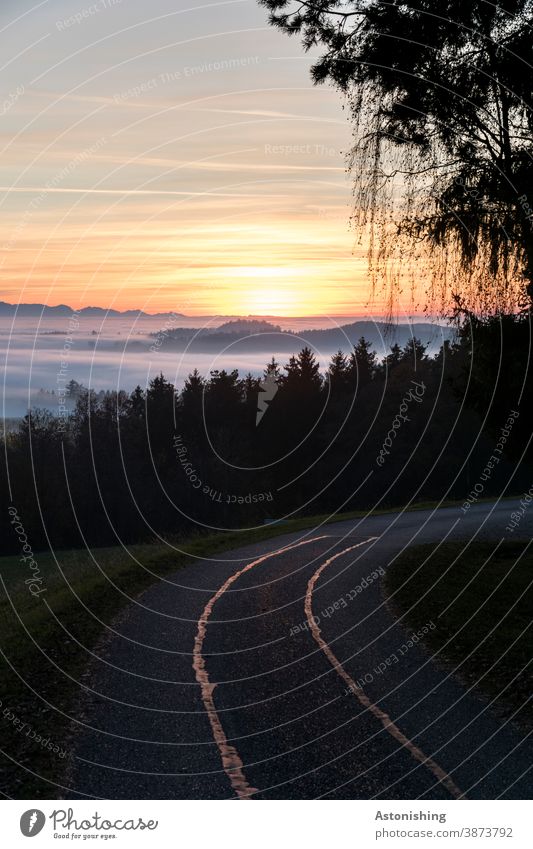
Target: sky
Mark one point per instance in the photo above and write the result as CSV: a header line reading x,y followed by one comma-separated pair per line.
x,y
171,156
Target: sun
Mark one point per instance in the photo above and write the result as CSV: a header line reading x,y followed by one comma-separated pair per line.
x,y
270,290
266,300
257,295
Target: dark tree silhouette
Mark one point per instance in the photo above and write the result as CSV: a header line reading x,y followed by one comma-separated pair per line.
x,y
303,375
136,404
393,359
443,158
272,368
414,353
223,396
500,378
192,397
251,390
338,374
362,363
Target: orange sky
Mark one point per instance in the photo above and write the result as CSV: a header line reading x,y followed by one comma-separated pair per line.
x,y
177,160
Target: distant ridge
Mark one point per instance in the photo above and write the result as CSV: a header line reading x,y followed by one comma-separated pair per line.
x,y
260,336
63,311
8,310
242,334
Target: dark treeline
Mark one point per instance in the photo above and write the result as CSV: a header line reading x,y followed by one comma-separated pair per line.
x,y
367,434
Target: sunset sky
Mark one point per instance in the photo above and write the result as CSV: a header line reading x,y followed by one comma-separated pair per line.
x,y
166,157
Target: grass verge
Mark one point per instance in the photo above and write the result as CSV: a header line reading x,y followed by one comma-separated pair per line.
x,y
479,595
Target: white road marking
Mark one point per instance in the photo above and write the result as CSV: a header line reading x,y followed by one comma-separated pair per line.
x,y
231,761
360,694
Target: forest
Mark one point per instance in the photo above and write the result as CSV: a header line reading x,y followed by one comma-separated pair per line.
x,y
230,451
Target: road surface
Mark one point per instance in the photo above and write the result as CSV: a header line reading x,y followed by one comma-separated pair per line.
x,y
254,676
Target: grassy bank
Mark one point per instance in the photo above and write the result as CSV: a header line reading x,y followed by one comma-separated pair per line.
x,y
480,597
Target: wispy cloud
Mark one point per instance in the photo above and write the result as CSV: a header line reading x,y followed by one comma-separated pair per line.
x,y
36,190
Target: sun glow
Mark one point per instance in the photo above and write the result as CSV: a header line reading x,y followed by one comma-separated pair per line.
x,y
269,301
265,271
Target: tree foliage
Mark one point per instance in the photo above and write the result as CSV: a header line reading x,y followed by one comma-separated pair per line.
x,y
441,96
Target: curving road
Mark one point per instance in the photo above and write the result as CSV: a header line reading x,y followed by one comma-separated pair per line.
x,y
253,676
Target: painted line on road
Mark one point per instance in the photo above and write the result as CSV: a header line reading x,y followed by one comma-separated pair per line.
x,y
360,694
231,761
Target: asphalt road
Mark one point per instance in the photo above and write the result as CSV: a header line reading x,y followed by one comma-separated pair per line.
x,y
253,676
